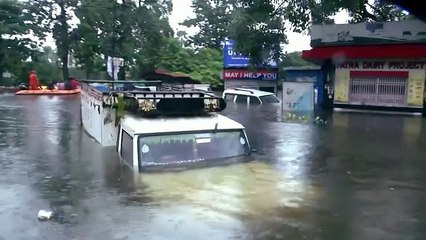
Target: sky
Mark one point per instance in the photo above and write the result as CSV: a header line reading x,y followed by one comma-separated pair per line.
x,y
182,10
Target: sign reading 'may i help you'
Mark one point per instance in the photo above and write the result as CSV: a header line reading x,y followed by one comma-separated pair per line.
x,y
245,74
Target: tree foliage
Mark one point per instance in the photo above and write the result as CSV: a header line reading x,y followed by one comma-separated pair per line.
x,y
204,65
294,59
207,65
258,30
301,14
53,17
258,25
214,19
139,32
133,30
15,48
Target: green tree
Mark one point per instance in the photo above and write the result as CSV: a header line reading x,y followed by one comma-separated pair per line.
x,y
153,32
207,65
302,13
53,17
245,21
49,55
258,25
214,19
133,30
14,46
45,62
294,59
258,30
173,57
87,47
204,65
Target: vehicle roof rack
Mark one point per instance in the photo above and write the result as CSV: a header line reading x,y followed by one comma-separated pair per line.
x,y
166,102
123,85
244,90
160,102
148,82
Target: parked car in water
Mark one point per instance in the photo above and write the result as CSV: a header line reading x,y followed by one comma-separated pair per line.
x,y
249,96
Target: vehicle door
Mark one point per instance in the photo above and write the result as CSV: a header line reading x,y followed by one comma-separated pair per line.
x,y
254,100
229,97
242,99
125,147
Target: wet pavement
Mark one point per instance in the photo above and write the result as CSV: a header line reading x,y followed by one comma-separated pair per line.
x,y
360,176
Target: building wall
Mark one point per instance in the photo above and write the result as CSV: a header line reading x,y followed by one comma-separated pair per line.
x,y
414,70
409,31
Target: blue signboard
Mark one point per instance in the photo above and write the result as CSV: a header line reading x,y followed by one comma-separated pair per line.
x,y
233,59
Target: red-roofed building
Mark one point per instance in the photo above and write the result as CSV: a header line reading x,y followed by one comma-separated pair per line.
x,y
381,64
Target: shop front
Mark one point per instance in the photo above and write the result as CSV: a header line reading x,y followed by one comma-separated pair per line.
x,y
372,65
381,83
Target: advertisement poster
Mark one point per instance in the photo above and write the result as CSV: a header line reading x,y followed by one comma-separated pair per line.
x,y
298,96
341,89
233,59
245,74
415,89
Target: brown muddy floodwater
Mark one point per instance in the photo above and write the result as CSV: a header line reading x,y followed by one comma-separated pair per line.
x,y
360,176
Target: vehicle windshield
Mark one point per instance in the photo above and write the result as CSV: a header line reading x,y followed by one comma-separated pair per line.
x,y
269,99
191,147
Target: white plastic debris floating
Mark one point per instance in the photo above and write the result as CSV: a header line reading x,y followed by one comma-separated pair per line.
x,y
44,215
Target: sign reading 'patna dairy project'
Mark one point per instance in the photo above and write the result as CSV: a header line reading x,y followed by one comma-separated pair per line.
x,y
383,65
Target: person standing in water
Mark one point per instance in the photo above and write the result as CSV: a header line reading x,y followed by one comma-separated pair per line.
x,y
34,83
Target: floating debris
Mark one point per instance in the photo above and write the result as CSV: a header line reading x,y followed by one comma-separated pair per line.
x,y
44,215
292,117
318,120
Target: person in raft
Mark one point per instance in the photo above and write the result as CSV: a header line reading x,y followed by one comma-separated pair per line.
x,y
71,84
34,83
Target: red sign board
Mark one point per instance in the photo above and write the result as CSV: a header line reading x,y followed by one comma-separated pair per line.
x,y
245,74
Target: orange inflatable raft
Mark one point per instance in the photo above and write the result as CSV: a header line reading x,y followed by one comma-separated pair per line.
x,y
48,92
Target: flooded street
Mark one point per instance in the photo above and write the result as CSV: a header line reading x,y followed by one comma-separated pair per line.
x,y
360,176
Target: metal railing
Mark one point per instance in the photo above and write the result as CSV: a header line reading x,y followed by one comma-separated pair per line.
x,y
379,91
